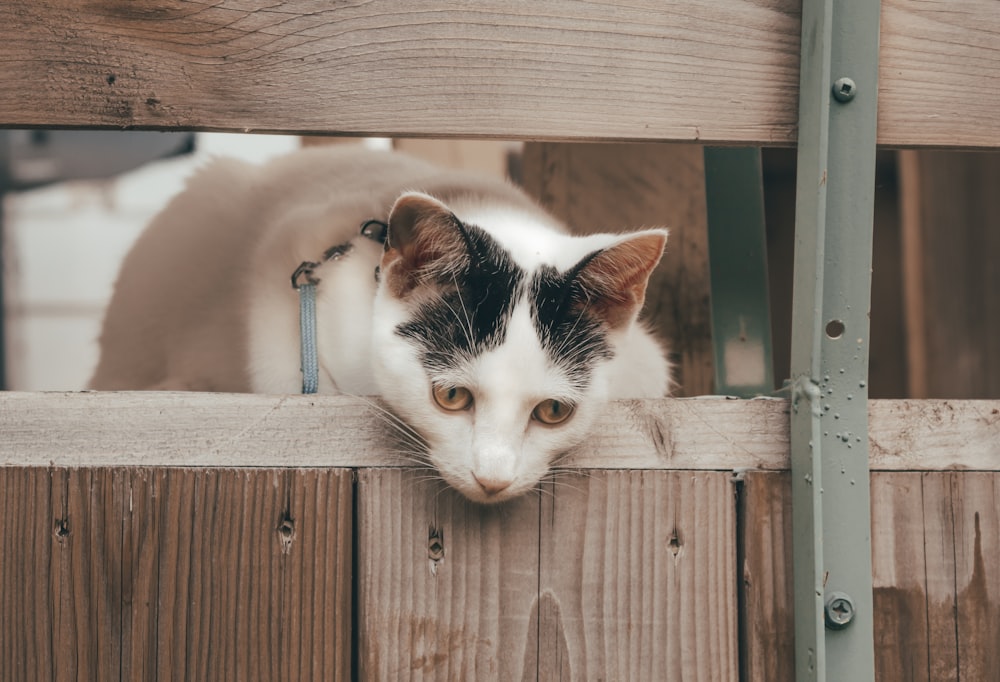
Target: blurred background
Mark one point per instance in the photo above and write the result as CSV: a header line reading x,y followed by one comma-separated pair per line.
x,y
74,201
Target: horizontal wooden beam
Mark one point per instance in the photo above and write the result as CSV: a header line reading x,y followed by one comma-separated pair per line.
x,y
716,71
243,430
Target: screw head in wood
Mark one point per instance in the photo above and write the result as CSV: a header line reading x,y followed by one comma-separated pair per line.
x,y
839,611
844,89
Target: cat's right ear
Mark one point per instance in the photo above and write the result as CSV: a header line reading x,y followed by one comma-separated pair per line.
x,y
423,241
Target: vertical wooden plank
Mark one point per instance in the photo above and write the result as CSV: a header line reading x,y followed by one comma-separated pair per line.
x,y
28,648
60,583
935,534
767,629
951,242
637,577
611,187
905,627
912,249
445,587
976,502
140,575
240,574
935,558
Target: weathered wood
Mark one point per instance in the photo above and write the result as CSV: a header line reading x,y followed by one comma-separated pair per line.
x,y
172,573
936,575
706,71
243,430
951,240
767,628
636,578
615,575
650,186
60,587
444,587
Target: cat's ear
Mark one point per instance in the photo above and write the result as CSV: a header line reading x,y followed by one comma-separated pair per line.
x,y
615,278
424,239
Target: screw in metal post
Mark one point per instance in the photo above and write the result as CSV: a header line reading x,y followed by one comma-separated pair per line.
x,y
844,89
839,611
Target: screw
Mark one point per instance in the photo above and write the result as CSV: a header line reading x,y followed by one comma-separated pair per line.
x,y
844,89
839,611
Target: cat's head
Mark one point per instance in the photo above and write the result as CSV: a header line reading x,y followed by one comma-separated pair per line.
x,y
500,349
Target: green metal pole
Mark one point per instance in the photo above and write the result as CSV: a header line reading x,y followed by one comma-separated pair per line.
x,y
737,253
832,291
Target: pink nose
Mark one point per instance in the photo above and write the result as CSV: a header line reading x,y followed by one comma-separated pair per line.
x,y
492,486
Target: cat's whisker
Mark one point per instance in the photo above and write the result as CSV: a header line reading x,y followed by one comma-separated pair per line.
x,y
465,311
570,334
412,436
543,490
408,458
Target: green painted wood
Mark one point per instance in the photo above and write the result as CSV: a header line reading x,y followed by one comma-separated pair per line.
x,y
737,252
830,336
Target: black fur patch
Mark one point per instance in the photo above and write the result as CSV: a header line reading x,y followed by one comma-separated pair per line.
x,y
574,340
472,313
474,309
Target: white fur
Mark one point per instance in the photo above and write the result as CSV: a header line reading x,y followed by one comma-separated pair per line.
x,y
204,302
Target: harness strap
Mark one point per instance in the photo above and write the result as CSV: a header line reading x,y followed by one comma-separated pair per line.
x,y
372,229
307,332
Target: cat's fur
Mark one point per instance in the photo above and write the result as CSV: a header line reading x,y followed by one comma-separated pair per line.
x,y
479,289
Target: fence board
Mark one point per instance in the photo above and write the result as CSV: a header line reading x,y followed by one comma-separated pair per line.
x,y
213,430
142,574
60,590
620,575
699,70
767,628
935,556
445,587
951,240
636,578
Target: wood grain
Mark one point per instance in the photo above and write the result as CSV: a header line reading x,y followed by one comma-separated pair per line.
x,y
764,540
935,558
695,71
651,186
175,574
444,587
60,587
636,578
613,575
244,430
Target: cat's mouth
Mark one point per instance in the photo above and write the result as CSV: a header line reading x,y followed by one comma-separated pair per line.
x,y
488,491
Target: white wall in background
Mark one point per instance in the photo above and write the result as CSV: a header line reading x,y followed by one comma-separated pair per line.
x,y
63,245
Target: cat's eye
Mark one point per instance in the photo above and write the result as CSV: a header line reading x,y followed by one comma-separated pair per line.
x,y
552,412
453,398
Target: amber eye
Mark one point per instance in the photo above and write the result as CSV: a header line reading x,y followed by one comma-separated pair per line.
x,y
552,412
453,398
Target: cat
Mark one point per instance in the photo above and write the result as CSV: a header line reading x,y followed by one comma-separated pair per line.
x,y
494,336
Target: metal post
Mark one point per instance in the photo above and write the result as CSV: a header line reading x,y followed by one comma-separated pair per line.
x,y
737,253
834,210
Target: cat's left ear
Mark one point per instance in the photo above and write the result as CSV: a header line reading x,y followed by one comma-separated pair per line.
x,y
615,278
423,240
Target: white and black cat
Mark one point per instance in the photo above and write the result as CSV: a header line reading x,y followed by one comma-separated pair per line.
x,y
494,334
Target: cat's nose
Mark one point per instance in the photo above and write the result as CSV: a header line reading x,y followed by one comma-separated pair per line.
x,y
492,485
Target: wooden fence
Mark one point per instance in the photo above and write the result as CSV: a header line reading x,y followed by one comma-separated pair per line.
x,y
192,536
251,537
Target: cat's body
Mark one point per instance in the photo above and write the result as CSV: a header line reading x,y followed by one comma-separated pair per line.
x,y
492,333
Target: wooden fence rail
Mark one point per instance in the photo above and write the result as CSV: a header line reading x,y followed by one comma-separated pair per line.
x,y
163,536
700,70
